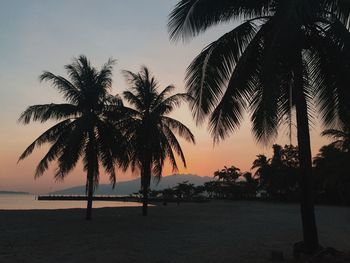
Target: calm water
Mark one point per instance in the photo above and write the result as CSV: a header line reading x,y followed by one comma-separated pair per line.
x,y
24,202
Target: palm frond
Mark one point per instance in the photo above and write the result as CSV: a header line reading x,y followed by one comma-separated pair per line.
x,y
104,77
162,95
54,151
133,99
191,17
69,91
112,148
242,86
48,136
179,128
47,112
166,147
73,149
168,104
174,143
334,134
211,70
330,77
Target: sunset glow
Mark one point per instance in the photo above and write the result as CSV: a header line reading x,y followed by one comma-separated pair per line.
x,y
40,37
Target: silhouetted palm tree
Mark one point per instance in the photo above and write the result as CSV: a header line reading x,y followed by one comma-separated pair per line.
x,y
282,55
83,130
263,170
250,184
228,174
150,130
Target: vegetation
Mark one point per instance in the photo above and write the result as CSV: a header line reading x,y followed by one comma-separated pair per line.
x,y
330,168
83,131
282,56
150,130
274,179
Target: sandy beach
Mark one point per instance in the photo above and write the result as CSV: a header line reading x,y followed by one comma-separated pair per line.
x,y
207,232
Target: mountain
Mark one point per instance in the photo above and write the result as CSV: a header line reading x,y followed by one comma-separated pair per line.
x,y
129,187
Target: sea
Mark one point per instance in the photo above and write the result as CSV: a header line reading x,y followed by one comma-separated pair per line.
x,y
30,202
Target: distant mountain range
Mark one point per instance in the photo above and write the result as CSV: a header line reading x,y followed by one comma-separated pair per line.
x,y
129,187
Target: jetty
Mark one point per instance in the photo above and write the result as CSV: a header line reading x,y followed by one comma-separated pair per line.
x,y
84,197
115,198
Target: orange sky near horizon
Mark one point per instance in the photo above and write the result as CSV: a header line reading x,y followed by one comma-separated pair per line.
x,y
203,158
35,37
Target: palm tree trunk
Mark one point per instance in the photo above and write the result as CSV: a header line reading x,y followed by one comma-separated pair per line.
x,y
145,200
146,176
90,195
91,169
311,243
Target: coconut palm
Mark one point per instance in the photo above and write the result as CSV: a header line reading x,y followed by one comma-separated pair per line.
x,y
262,168
228,174
152,133
282,56
83,131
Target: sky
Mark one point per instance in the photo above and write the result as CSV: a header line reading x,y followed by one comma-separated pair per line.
x,y
39,35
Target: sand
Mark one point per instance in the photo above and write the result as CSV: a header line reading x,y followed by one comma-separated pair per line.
x,y
202,232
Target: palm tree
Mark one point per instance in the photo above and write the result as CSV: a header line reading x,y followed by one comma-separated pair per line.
x,y
341,138
150,130
280,57
82,131
263,170
250,185
228,174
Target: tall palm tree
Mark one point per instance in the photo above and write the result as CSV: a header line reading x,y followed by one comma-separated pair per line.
x,y
82,131
149,128
280,57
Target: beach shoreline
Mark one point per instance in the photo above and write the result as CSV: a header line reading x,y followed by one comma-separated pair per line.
x,y
218,231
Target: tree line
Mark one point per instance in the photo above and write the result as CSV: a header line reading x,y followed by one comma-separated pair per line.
x,y
276,178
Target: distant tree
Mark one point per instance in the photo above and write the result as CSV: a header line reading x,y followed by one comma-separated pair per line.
x,y
285,172
262,168
149,128
185,190
168,193
83,131
228,185
212,188
153,193
279,175
228,174
332,174
250,185
199,189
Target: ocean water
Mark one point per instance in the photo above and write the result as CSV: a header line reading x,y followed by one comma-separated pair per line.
x,y
29,202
